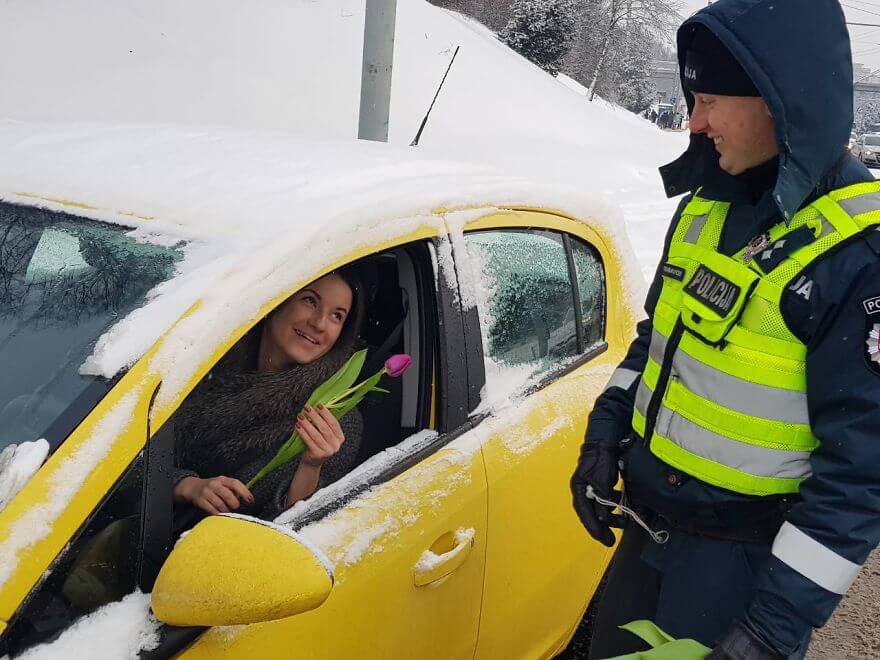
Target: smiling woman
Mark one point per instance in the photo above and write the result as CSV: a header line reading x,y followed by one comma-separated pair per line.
x,y
244,410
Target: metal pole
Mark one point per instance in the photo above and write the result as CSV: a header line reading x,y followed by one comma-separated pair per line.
x,y
378,59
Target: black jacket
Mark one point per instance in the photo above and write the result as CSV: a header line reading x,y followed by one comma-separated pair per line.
x,y
800,62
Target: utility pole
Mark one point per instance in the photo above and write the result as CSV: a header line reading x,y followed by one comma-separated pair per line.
x,y
379,20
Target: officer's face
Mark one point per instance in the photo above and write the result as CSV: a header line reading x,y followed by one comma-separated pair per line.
x,y
740,126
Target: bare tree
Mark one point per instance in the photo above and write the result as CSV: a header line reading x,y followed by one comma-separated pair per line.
x,y
655,18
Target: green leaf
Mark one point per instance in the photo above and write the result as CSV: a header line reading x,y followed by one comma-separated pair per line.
x,y
338,383
648,631
341,380
664,646
289,449
381,390
679,649
357,396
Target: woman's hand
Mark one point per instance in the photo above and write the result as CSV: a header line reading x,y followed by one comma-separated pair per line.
x,y
321,433
215,495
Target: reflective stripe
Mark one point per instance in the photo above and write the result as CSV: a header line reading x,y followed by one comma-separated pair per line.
x,y
623,378
753,399
696,228
813,560
861,204
643,398
658,347
751,459
827,228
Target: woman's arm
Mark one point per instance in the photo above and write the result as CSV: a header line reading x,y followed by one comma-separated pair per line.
x,y
323,437
305,482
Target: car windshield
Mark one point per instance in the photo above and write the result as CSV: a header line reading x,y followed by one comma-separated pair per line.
x,y
872,140
63,282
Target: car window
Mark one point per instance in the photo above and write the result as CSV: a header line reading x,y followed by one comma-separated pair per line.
x,y
99,567
64,281
591,292
872,140
527,307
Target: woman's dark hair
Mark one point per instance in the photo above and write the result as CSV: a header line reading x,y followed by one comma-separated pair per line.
x,y
348,338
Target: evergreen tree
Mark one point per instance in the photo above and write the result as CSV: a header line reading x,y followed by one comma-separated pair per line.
x,y
634,90
541,30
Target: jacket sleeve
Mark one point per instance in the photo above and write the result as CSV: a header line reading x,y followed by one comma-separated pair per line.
x,y
611,418
829,534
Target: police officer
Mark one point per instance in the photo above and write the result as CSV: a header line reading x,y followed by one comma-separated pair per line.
x,y
745,418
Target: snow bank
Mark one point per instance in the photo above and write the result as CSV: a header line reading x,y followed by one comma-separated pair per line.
x,y
118,631
67,479
500,127
295,66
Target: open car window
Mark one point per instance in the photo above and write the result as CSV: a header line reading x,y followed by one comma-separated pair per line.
x,y
400,428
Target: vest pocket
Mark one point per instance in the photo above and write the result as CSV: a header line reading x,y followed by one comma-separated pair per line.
x,y
714,297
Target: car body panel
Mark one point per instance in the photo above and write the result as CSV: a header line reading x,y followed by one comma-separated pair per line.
x,y
141,382
524,528
541,568
48,510
375,610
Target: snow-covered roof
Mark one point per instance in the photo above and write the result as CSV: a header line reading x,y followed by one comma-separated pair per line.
x,y
262,206
251,185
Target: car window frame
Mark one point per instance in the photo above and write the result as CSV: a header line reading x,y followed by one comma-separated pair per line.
x,y
476,356
155,533
443,325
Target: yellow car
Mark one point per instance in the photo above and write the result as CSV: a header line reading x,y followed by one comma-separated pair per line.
x,y
133,258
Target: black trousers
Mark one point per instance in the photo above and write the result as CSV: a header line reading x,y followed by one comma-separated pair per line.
x,y
692,587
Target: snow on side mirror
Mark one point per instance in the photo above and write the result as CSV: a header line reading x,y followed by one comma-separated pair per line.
x,y
232,570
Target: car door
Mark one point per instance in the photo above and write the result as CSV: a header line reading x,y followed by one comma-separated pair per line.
x,y
543,317
405,533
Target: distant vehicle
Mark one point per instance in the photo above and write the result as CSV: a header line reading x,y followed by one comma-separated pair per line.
x,y
868,149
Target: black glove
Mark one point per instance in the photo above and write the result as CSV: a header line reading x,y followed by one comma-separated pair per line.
x,y
741,643
597,467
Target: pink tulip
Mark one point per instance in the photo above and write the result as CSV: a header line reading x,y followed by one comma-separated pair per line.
x,y
397,364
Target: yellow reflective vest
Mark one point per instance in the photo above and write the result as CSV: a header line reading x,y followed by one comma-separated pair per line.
x,y
723,394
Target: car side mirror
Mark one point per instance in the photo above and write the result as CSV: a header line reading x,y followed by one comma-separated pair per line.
x,y
231,570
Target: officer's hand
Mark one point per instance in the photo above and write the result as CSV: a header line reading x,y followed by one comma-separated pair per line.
x,y
740,643
597,467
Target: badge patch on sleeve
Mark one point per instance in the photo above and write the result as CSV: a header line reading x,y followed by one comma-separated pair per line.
x,y
872,341
873,347
715,292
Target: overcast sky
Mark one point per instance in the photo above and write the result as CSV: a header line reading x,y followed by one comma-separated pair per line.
x,y
865,40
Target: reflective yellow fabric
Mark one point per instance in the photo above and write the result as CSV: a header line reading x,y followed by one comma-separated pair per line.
x,y
743,354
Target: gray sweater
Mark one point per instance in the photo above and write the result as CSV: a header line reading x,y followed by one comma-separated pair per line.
x,y
236,419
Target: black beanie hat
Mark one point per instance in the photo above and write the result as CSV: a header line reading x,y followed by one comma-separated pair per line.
x,y
709,68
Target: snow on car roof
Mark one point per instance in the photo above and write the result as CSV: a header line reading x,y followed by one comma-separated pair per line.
x,y
255,199
250,184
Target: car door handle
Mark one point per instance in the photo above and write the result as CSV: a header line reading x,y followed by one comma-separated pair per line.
x,y
432,567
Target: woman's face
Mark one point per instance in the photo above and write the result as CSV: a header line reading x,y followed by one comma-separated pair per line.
x,y
308,323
